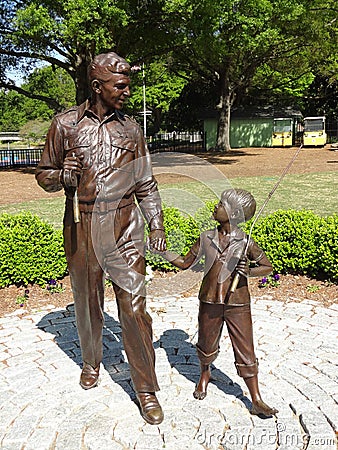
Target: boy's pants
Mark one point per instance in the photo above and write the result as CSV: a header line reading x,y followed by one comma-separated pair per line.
x,y
239,324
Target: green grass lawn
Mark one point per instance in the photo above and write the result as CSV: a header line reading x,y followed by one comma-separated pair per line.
x,y
50,210
316,192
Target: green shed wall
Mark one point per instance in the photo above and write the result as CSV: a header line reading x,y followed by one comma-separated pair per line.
x,y
251,132
210,130
243,132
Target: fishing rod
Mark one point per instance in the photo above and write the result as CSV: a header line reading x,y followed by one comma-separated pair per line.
x,y
285,171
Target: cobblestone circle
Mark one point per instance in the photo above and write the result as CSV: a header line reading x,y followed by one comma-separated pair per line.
x,y
43,407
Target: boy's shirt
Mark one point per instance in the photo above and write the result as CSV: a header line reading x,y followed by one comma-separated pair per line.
x,y
220,264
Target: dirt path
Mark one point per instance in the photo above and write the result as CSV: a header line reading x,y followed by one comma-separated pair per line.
x,y
20,186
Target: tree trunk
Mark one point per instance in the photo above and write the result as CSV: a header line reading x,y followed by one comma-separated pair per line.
x,y
83,60
223,129
157,113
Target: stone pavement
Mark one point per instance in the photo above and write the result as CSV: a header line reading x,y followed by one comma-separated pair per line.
x,y
43,407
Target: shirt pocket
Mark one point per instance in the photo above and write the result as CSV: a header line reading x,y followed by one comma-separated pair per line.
x,y
122,154
75,145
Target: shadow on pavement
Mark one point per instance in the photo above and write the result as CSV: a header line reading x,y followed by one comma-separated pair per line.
x,y
62,324
181,353
177,345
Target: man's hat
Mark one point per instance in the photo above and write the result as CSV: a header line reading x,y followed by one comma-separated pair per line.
x,y
106,64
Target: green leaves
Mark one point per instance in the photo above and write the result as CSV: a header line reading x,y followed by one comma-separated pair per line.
x,y
53,84
162,88
181,231
327,244
232,49
31,251
297,242
34,22
241,48
300,242
86,22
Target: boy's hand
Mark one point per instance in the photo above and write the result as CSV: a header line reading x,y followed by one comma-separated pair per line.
x,y
243,267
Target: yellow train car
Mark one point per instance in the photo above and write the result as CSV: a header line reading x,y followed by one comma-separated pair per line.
x,y
314,131
282,135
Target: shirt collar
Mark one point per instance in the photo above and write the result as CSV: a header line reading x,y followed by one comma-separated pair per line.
x,y
236,234
84,110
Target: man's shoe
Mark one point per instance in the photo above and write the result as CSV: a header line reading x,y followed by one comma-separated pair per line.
x,y
89,376
151,410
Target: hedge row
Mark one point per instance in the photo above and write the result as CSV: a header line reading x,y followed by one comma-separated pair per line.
x,y
31,251
297,242
300,242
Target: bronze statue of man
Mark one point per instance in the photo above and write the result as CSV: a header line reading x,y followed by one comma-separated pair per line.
x,y
98,155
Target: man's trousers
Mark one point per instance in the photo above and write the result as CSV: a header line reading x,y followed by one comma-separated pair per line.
x,y
87,268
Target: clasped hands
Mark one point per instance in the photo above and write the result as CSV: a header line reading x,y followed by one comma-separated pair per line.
x,y
157,241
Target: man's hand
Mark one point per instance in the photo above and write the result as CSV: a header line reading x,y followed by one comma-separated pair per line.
x,y
73,163
157,240
72,170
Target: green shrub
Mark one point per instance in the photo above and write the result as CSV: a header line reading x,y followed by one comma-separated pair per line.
x,y
290,240
203,217
31,250
327,247
295,242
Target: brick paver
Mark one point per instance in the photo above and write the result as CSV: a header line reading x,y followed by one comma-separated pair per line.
x,y
43,407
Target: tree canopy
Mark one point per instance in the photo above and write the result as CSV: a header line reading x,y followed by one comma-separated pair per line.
x,y
63,33
231,49
42,83
159,86
267,44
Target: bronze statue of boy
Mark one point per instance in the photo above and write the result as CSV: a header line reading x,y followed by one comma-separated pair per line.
x,y
223,249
